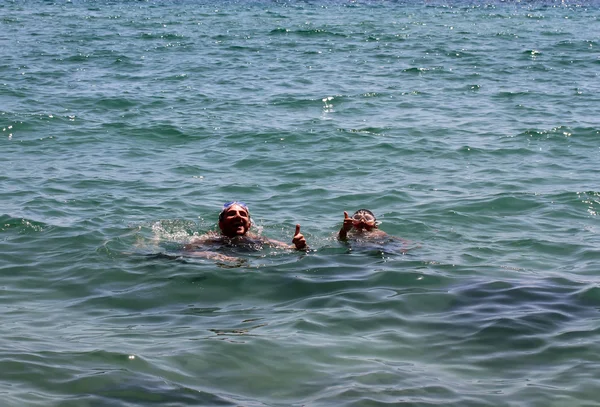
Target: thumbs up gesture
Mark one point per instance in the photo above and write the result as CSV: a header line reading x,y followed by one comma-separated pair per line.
x,y
299,241
347,222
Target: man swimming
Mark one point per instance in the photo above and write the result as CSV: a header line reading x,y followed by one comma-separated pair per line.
x,y
234,226
362,230
362,224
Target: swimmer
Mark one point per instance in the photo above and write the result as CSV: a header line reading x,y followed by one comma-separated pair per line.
x,y
363,232
362,224
234,226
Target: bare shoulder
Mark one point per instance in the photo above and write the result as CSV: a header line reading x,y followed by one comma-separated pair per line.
x,y
277,244
378,234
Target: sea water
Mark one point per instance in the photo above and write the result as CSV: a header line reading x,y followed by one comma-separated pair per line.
x,y
471,129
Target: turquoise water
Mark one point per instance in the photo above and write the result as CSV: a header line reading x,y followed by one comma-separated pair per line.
x,y
470,129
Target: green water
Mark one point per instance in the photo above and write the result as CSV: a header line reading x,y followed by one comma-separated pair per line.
x,y
469,129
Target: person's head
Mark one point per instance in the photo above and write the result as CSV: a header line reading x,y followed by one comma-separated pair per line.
x,y
234,219
364,219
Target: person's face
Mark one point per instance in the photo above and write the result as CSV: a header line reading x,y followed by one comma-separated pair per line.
x,y
236,221
363,220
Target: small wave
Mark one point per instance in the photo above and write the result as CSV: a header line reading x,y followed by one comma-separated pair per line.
x,y
532,52
77,58
589,296
151,131
295,102
560,132
317,32
164,36
592,201
279,30
511,95
116,102
20,225
418,70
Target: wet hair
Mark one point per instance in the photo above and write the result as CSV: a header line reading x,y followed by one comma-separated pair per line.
x,y
228,205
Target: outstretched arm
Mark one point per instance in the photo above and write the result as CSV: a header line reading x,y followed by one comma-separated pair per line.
x,y
197,248
214,256
298,241
199,241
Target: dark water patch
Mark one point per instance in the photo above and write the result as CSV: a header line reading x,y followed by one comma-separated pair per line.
x,y
292,101
508,95
317,33
241,48
424,70
388,39
10,20
469,151
164,36
532,52
116,102
86,57
590,296
364,133
152,132
127,62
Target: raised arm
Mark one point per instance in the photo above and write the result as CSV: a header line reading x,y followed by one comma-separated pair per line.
x,y
346,226
298,240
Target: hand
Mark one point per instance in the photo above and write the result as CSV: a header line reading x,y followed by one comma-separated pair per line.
x,y
347,222
299,241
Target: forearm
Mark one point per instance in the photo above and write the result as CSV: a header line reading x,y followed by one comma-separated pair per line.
x,y
281,245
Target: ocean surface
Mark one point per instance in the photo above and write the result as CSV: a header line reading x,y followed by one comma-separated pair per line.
x,y
471,129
